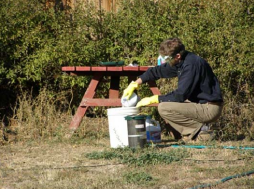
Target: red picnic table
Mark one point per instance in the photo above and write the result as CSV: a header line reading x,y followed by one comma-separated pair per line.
x,y
97,73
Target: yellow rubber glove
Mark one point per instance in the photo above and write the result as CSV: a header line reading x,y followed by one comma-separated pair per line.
x,y
129,90
148,100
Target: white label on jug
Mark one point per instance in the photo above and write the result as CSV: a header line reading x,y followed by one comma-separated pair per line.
x,y
154,134
140,126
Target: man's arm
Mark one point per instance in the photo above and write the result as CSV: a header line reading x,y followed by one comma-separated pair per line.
x,y
157,72
152,74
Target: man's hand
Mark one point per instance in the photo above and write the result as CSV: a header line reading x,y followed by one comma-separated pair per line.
x,y
148,100
129,90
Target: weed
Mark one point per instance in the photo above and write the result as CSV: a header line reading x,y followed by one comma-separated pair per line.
x,y
140,157
137,177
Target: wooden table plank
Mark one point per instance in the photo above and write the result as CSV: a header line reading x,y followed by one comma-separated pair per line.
x,y
116,69
83,68
144,68
102,68
100,102
103,102
131,68
105,68
68,68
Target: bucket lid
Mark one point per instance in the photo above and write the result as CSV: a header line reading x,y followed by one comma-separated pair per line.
x,y
135,117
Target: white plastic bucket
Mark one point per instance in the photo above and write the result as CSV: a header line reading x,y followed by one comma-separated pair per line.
x,y
118,129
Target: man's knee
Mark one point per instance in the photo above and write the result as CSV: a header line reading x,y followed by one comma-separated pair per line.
x,y
164,108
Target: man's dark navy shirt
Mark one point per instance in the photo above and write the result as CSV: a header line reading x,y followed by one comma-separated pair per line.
x,y
196,80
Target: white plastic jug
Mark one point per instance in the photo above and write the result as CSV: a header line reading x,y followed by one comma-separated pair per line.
x,y
130,102
153,130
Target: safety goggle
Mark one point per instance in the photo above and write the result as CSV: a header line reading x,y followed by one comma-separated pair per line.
x,y
167,59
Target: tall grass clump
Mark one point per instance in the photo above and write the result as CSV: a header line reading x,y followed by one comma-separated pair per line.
x,y
236,123
45,116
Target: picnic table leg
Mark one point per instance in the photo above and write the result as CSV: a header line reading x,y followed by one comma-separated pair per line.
x,y
90,92
132,78
114,87
154,88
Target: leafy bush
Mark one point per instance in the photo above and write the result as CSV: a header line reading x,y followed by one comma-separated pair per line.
x,y
37,41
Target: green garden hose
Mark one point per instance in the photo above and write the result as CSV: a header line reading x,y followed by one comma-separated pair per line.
x,y
226,178
202,147
223,180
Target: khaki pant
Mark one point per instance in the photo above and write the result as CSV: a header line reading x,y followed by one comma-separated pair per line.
x,y
187,118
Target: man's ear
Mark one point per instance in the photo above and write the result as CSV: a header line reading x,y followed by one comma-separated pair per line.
x,y
178,56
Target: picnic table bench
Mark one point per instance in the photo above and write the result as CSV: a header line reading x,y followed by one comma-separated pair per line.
x,y
97,73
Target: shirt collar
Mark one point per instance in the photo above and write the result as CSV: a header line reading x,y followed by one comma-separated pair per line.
x,y
182,61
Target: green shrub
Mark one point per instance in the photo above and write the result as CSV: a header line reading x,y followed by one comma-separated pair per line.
x,y
35,42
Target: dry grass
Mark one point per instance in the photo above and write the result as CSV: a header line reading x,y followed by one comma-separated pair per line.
x,y
64,165
37,155
46,117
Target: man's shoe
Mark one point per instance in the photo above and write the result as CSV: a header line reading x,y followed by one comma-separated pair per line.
x,y
187,139
205,128
205,136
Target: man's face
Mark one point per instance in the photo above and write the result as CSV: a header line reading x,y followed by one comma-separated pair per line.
x,y
173,62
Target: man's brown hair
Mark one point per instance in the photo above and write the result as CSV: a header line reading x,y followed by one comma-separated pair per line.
x,y
171,47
